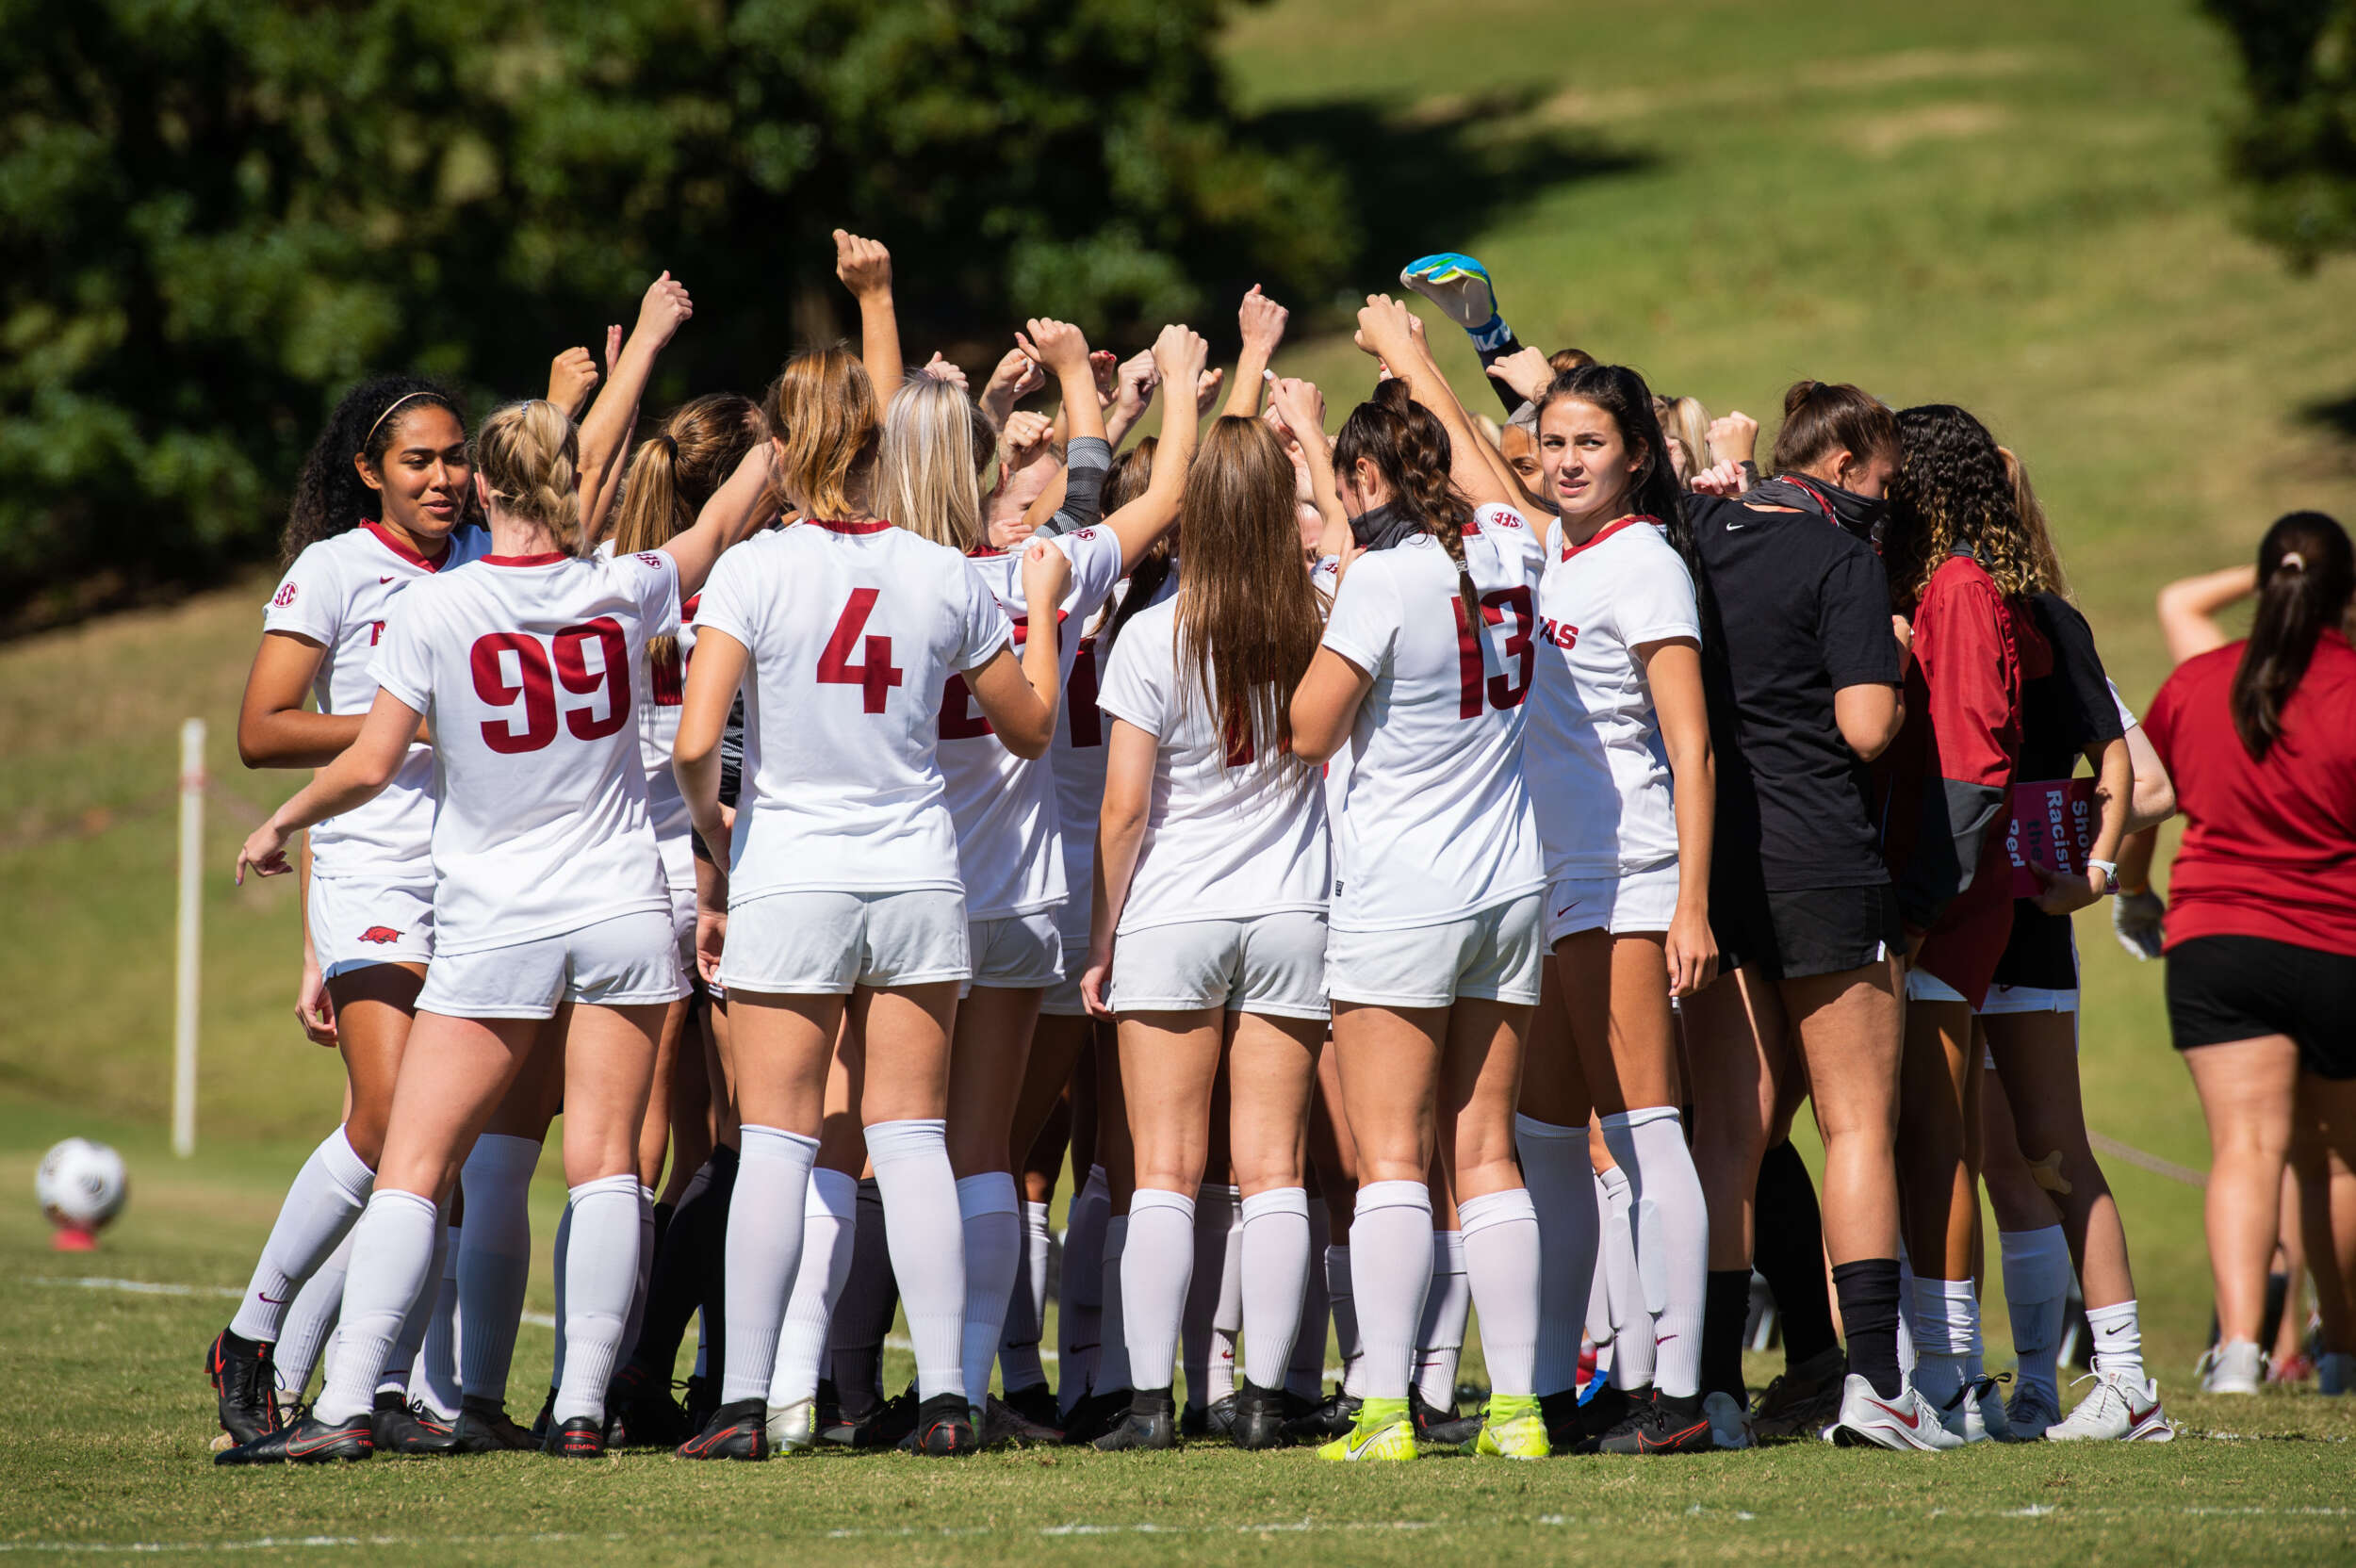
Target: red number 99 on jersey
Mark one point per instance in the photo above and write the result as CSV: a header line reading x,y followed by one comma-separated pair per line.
x,y
522,670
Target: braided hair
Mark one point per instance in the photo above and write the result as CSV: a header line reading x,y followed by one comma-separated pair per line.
x,y
329,497
1951,494
1408,447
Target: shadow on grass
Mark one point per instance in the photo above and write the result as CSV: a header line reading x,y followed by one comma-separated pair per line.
x,y
2336,415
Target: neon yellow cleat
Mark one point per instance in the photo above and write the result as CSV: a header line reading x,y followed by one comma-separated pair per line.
x,y
1512,1429
1385,1431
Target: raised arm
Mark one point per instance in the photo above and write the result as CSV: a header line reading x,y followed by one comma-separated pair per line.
x,y
2189,607
1019,698
1180,353
734,510
1302,407
605,433
1386,329
1262,322
865,268
572,377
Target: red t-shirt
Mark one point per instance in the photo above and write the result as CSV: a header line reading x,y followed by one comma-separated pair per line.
x,y
2269,847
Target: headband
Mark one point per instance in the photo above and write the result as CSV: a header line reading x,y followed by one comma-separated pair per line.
x,y
389,412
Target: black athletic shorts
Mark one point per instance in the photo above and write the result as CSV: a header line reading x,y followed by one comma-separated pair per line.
x,y
1816,931
2222,988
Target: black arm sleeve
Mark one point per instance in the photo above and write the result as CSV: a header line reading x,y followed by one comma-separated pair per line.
x,y
1506,395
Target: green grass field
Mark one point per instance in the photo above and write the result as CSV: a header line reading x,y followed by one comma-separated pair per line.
x,y
2014,205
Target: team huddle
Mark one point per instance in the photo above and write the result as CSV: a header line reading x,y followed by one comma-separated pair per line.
x,y
1415,870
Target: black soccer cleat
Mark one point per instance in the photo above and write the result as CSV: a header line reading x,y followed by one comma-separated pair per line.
x,y
1668,1424
945,1427
410,1431
1259,1417
1442,1428
541,1422
1096,1414
1560,1414
1335,1414
1005,1426
583,1437
307,1440
1604,1412
739,1429
1035,1404
484,1427
642,1413
1151,1423
244,1377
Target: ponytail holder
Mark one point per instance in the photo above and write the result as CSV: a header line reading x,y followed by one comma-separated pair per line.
x,y
2292,562
668,445
388,414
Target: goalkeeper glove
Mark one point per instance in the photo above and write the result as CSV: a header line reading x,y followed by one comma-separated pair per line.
x,y
1460,286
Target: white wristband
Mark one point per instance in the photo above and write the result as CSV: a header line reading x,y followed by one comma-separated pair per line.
x,y
2108,868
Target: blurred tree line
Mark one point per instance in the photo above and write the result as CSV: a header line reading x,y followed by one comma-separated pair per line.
x,y
2294,142
216,214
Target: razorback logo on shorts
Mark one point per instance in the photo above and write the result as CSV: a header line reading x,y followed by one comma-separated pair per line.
x,y
284,596
383,936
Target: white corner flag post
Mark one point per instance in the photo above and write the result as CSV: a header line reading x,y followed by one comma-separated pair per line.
x,y
191,918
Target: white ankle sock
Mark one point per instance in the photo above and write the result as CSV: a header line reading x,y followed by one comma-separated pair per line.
x,y
1561,1186
1275,1272
1156,1260
309,1322
392,1259
1947,1336
2118,1339
2037,1294
829,1232
1019,1362
1345,1308
1503,1265
1208,1365
1390,1271
1631,1319
989,1208
320,1207
764,1250
1304,1373
1080,1299
433,1382
1672,1235
600,1272
927,1241
1446,1305
1112,1355
494,1259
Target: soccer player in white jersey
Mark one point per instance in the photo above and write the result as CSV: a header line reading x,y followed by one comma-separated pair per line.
x,y
1619,763
844,889
1207,940
383,501
1437,950
548,892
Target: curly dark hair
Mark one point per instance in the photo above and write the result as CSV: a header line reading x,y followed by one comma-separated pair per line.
x,y
1653,490
1952,493
329,496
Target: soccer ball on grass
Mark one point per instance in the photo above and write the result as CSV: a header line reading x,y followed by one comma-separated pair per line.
x,y
81,1186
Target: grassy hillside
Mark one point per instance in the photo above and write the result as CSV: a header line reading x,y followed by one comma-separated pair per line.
x,y
2014,205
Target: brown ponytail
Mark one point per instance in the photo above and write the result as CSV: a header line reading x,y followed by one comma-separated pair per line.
x,y
1821,418
674,472
1408,447
2305,581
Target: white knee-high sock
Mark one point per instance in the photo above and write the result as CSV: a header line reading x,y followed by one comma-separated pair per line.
x,y
1672,1233
637,1318
927,1244
1947,1336
600,1272
764,1249
494,1259
2036,1295
320,1207
1156,1260
1112,1356
1344,1310
1210,1374
1080,1300
1440,1338
559,1250
1561,1186
433,1382
991,1209
1631,1319
1275,1272
1304,1374
309,1322
829,1231
1502,1262
394,1378
1227,1316
392,1260
1019,1362
1390,1271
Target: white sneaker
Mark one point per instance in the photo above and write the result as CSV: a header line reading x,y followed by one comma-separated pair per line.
x,y
793,1427
2335,1373
1729,1423
2120,1409
1868,1420
2238,1368
1977,1413
2030,1411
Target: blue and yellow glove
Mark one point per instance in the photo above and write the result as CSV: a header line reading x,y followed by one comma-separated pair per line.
x,y
1460,286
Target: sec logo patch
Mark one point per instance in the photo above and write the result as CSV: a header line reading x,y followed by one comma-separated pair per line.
x,y
284,596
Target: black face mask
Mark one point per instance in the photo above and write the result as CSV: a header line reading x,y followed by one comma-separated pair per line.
x,y
1378,528
1845,509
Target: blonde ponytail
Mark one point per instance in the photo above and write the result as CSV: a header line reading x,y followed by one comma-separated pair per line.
x,y
528,453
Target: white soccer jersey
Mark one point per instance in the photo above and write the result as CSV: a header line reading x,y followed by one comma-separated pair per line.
x,y
1077,762
852,629
1005,806
1435,822
1227,835
658,686
1593,734
523,665
339,593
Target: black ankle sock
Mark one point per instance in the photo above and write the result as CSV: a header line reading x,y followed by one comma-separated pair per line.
x,y
1869,1311
1725,1307
1788,1250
